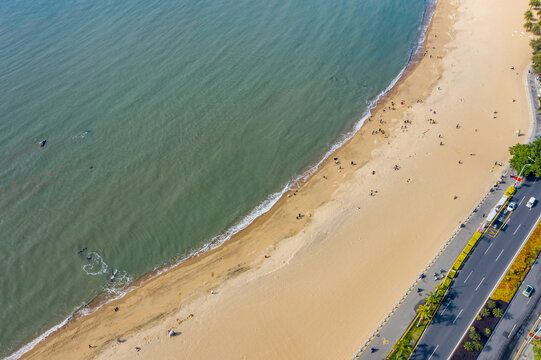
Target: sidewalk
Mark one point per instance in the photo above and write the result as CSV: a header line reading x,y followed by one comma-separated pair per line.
x,y
394,325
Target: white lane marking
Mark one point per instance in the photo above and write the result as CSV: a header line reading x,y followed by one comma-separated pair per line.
x,y
528,300
430,357
499,255
471,272
510,332
518,227
483,279
446,306
521,200
454,321
488,248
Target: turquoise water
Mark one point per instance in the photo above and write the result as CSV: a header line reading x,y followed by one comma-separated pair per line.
x,y
167,123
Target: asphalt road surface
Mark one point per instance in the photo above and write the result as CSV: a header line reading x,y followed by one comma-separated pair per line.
x,y
520,316
478,277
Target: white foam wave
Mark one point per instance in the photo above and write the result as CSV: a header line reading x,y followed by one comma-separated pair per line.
x,y
96,265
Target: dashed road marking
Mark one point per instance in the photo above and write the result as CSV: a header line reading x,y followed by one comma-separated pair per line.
x,y
501,252
454,321
437,346
488,248
521,200
483,279
510,332
471,272
518,227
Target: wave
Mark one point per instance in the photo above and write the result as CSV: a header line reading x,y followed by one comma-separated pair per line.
x,y
124,284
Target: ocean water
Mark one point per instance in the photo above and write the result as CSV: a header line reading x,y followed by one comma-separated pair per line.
x,y
167,123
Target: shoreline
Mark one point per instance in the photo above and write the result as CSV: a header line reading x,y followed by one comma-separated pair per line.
x,y
267,205
304,188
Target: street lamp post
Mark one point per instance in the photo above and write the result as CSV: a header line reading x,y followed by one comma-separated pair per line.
x,y
518,176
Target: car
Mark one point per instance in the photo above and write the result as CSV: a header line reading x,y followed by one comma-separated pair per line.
x,y
528,291
511,206
531,202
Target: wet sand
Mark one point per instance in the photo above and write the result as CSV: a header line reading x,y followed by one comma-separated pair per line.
x,y
331,276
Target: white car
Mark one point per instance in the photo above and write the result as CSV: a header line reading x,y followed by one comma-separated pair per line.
x,y
531,202
511,206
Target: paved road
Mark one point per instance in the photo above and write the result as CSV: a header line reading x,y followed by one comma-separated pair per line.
x,y
477,279
519,318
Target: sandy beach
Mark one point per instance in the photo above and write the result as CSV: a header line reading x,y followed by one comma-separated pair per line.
x,y
317,286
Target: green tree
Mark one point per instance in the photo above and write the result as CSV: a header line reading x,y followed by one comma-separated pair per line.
x,y
477,346
469,346
432,298
497,312
528,15
401,349
536,29
535,3
474,335
488,331
491,304
523,154
424,312
528,26
485,312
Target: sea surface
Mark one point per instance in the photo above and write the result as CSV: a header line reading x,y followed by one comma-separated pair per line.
x,y
169,125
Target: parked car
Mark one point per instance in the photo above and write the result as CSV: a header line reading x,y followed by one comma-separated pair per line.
x,y
528,291
511,206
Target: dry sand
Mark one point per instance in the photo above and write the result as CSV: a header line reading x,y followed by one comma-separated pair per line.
x,y
333,275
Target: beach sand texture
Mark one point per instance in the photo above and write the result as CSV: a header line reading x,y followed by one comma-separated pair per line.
x,y
333,275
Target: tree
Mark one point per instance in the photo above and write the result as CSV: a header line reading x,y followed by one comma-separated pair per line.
x,y
488,331
528,26
535,3
485,312
523,154
474,335
424,312
469,346
497,312
528,15
491,304
432,298
477,346
402,347
536,29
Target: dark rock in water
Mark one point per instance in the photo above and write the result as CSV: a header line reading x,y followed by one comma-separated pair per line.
x,y
91,167
42,143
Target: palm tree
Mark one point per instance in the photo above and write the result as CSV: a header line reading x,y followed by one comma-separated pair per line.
x,y
528,15
402,347
535,3
432,298
528,26
536,29
424,312
539,12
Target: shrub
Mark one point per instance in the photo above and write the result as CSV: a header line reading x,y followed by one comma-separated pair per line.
x,y
485,312
474,335
477,346
491,304
469,346
479,318
497,312
487,331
